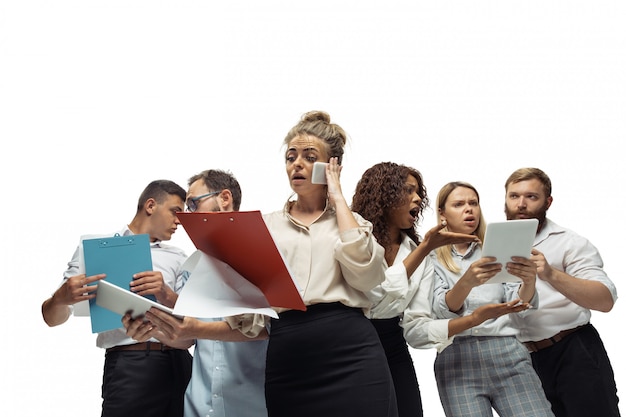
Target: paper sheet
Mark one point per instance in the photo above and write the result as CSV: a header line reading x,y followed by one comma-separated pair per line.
x,y
214,290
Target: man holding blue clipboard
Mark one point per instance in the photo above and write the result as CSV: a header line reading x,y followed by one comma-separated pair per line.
x,y
140,379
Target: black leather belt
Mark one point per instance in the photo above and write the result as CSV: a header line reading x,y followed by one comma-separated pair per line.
x,y
145,346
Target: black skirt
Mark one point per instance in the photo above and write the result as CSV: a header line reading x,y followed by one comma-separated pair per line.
x,y
401,366
327,361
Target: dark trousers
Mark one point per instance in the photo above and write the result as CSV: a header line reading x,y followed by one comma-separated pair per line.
x,y
577,376
145,383
401,366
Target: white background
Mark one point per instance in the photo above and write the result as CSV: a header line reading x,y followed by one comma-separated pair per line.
x,y
98,98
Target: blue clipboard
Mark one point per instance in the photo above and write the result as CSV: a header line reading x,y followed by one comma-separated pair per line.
x,y
119,257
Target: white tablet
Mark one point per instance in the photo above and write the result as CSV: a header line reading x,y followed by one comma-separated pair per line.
x,y
506,239
122,301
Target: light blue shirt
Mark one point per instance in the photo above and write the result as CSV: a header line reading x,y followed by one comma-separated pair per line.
x,y
227,380
478,296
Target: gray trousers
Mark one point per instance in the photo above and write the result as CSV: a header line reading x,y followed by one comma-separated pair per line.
x,y
478,373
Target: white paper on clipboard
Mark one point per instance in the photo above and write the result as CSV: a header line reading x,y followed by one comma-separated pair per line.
x,y
506,239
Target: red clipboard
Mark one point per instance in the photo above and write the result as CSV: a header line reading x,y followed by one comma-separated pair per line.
x,y
241,239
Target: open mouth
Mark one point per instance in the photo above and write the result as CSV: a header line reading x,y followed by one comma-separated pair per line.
x,y
414,212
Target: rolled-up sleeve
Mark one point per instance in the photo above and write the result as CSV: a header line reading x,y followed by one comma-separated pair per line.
x,y
421,331
250,325
360,257
441,287
583,260
395,287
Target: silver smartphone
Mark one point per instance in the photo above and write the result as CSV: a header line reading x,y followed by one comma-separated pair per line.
x,y
319,173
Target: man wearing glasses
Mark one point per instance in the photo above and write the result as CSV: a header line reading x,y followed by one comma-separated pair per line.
x,y
192,202
228,376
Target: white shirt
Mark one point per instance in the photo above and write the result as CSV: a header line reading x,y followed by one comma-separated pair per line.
x,y
410,299
571,253
327,266
166,259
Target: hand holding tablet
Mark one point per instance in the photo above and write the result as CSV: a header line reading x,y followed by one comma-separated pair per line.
x,y
122,301
504,240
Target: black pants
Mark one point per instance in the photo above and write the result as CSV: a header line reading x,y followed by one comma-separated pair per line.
x,y
145,383
401,366
577,376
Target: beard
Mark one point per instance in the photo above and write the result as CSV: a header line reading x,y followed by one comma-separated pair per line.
x,y
527,214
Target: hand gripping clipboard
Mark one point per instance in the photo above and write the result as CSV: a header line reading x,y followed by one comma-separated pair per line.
x,y
119,257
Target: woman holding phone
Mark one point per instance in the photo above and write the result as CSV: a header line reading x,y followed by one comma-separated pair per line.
x,y
327,360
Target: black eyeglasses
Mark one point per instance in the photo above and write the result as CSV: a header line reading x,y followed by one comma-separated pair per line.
x,y
192,203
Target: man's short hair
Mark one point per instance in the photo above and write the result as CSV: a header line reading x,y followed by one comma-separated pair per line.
x,y
160,190
525,174
218,180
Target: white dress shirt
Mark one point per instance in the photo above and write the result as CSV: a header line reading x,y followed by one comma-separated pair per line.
x,y
329,266
411,299
166,259
571,253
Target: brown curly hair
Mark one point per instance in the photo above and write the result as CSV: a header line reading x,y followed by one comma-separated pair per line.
x,y
382,188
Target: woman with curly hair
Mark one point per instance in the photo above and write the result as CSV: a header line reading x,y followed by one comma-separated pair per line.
x,y
392,197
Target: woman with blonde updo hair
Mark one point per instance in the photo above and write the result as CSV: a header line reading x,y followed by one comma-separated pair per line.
x,y
317,123
325,361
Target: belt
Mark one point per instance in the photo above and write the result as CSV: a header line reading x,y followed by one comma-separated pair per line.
x,y
542,344
145,346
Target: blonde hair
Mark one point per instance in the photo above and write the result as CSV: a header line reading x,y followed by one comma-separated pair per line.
x,y
317,123
444,253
